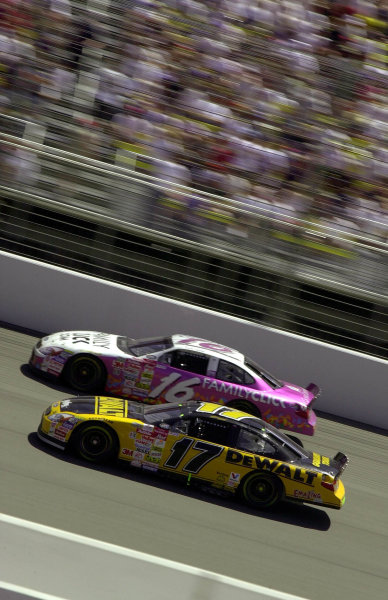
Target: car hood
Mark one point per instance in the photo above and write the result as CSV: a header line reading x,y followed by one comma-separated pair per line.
x,y
81,341
102,406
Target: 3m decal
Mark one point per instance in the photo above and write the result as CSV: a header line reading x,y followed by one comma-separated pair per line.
x,y
207,452
269,464
183,390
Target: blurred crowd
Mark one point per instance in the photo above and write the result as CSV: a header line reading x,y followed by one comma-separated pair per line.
x,y
281,105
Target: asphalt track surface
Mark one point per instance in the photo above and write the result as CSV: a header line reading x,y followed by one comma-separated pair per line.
x,y
303,550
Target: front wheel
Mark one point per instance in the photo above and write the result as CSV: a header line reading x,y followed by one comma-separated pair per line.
x,y
261,490
96,443
244,406
85,374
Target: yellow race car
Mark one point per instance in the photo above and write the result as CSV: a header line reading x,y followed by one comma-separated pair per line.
x,y
200,442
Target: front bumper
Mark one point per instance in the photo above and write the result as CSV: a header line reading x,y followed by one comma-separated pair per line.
x,y
48,439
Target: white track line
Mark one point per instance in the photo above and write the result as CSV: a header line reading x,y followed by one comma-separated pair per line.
x,y
80,539
18,589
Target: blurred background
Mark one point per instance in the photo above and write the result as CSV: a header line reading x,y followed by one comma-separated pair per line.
x,y
228,153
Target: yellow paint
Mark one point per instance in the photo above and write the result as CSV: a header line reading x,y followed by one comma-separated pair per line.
x,y
316,459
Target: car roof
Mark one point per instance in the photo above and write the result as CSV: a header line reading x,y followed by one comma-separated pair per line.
x,y
192,408
187,342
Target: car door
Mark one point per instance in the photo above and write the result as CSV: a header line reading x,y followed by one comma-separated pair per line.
x,y
178,375
196,447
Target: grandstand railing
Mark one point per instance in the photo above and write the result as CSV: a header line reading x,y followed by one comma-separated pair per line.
x,y
257,263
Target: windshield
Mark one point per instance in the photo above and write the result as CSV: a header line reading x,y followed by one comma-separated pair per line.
x,y
144,346
266,375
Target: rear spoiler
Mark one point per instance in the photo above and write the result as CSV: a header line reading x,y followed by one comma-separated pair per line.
x,y
314,389
342,460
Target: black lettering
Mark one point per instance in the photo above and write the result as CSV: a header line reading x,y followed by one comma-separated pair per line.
x,y
81,338
310,477
247,461
233,457
265,463
297,475
284,470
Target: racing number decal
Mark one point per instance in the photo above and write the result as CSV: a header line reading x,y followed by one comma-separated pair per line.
x,y
180,391
206,453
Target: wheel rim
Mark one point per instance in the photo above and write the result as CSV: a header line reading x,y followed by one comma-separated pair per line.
x,y
95,442
85,372
261,491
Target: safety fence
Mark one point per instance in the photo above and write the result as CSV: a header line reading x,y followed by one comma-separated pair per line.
x,y
255,262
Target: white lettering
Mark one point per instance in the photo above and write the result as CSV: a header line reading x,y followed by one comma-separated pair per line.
x,y
225,387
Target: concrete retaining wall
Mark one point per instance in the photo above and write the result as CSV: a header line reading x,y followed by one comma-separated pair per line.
x,y
48,299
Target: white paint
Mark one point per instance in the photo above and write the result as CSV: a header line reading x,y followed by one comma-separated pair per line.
x,y
107,570
49,299
27,592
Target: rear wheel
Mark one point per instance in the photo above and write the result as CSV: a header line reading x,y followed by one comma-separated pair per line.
x,y
245,406
85,373
96,443
261,490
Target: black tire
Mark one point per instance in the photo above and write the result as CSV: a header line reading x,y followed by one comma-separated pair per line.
x,y
245,406
96,443
85,373
261,490
295,439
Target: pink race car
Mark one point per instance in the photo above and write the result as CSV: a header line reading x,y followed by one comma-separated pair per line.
x,y
169,369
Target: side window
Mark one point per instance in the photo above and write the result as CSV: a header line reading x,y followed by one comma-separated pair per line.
x,y
179,425
251,441
187,361
212,430
227,371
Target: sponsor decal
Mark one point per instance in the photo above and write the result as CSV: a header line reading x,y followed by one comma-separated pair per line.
x,y
126,452
268,464
238,391
60,432
64,336
308,495
101,340
221,477
149,467
234,479
111,407
199,342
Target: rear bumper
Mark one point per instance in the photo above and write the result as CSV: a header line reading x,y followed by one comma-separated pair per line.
x,y
298,425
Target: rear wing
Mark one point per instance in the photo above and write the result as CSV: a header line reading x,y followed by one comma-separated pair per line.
x,y
314,389
342,460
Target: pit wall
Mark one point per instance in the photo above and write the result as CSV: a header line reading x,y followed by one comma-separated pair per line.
x,y
48,299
